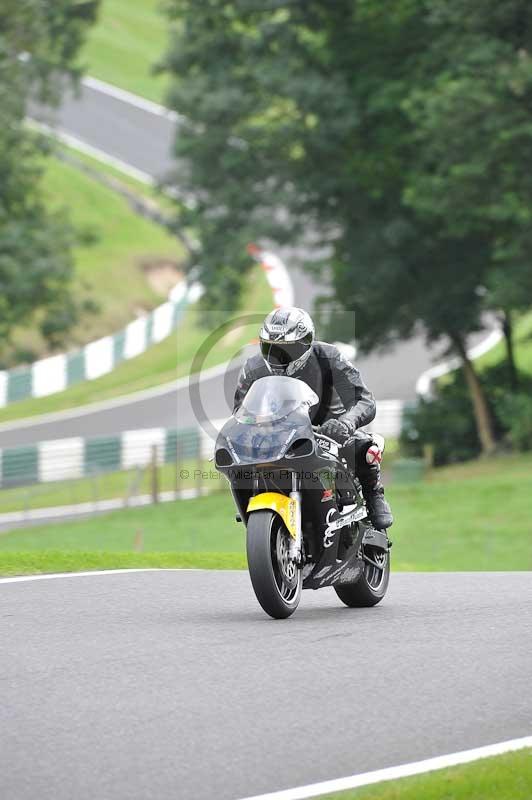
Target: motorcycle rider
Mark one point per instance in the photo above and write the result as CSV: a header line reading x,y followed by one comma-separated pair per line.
x,y
288,347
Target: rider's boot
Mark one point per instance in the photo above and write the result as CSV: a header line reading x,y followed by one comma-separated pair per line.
x,y
378,507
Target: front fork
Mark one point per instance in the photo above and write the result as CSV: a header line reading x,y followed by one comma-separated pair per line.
x,y
289,509
296,543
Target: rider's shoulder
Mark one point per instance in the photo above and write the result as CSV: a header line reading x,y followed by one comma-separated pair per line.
x,y
326,350
255,365
333,354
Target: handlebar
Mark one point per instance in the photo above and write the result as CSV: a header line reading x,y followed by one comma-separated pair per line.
x,y
316,429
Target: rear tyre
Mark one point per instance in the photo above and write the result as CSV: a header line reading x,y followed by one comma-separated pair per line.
x,y
275,579
371,587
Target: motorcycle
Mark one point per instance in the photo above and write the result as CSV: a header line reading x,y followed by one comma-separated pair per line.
x,y
307,524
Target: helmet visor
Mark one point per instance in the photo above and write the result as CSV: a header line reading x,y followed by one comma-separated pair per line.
x,y
280,354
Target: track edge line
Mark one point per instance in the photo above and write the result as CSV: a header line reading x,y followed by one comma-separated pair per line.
x,y
394,773
98,572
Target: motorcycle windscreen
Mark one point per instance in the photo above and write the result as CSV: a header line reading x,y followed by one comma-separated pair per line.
x,y
261,443
273,398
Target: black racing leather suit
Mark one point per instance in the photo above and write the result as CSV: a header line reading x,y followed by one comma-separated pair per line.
x,y
342,392
344,396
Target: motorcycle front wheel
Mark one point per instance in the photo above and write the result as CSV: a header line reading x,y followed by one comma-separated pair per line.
x,y
276,580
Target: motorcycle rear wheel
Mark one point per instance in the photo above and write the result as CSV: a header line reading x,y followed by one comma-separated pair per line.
x,y
371,587
275,579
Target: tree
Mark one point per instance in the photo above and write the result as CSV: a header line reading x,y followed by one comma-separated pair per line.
x,y
307,114
472,123
39,42
279,110
509,292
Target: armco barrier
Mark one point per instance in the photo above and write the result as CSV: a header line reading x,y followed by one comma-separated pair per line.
x,y
66,459
57,373
388,420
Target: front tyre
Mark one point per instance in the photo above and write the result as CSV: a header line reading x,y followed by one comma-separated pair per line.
x,y
371,587
276,580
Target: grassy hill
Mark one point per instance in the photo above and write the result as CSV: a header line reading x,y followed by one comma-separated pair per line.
x,y
117,261
126,42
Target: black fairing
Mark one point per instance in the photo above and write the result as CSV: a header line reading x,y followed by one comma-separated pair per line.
x,y
268,444
267,451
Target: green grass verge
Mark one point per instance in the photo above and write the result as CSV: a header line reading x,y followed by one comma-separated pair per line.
x,y
506,777
110,267
127,40
35,562
149,191
473,517
204,525
108,485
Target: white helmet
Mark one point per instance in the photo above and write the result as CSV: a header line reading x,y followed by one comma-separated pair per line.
x,y
286,340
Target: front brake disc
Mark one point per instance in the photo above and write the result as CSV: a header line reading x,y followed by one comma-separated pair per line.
x,y
287,566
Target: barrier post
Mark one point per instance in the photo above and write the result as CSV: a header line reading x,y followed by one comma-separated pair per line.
x,y
154,475
177,471
199,476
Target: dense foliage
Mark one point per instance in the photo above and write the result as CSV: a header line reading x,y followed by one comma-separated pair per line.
x,y
398,136
39,40
445,422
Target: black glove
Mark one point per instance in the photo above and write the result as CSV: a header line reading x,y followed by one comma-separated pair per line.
x,y
337,430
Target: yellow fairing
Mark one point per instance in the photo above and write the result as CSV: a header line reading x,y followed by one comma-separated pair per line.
x,y
286,507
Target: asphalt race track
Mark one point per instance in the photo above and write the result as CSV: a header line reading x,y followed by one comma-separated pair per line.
x,y
175,685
